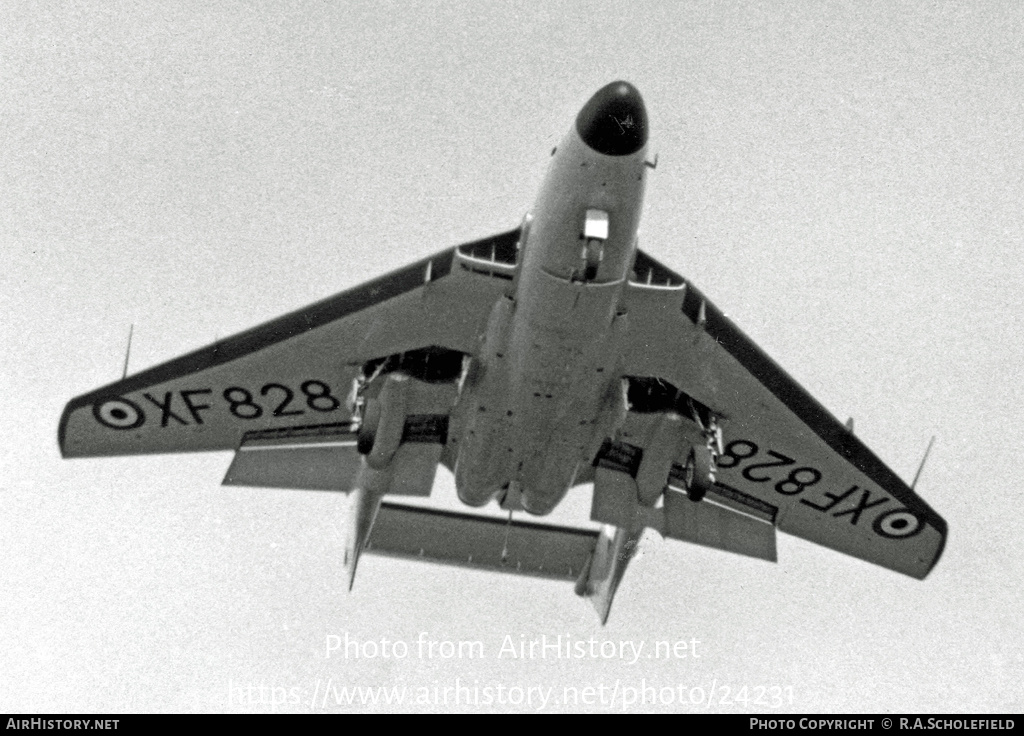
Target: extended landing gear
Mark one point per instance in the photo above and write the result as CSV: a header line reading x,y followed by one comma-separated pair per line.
x,y
369,420
699,475
592,255
358,403
702,462
379,421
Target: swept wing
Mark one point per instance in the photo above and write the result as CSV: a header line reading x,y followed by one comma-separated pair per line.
x,y
296,371
783,455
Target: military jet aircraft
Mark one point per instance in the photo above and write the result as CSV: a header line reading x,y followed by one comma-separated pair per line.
x,y
544,358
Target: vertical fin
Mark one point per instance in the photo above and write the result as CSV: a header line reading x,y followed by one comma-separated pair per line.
x,y
360,504
364,502
612,552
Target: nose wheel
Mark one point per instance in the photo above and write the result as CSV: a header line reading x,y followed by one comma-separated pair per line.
x,y
593,254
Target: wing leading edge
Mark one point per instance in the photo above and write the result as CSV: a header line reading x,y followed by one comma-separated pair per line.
x,y
780,445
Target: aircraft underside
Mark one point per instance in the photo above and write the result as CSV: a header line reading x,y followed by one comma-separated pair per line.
x,y
530,362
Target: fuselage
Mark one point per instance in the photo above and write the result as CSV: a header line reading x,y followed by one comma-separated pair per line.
x,y
546,379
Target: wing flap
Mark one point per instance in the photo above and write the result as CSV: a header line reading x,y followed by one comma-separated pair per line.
x,y
318,458
706,523
480,542
325,457
717,527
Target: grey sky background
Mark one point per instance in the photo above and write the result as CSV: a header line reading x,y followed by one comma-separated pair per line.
x,y
844,180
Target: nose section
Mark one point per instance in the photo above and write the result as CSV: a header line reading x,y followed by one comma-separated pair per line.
x,y
614,120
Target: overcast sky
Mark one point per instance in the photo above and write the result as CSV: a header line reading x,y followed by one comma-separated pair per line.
x,y
844,180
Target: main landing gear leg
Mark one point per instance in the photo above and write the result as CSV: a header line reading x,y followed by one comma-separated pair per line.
x,y
702,462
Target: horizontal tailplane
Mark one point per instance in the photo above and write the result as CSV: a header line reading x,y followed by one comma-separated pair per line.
x,y
480,542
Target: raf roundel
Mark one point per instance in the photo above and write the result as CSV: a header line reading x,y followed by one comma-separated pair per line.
x,y
118,414
898,524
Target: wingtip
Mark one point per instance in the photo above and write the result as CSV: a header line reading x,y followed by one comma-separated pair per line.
x,y
938,552
62,430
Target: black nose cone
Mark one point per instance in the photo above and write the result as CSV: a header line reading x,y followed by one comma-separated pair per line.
x,y
614,120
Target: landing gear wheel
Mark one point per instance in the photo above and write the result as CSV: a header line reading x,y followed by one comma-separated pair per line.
x,y
697,475
367,434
